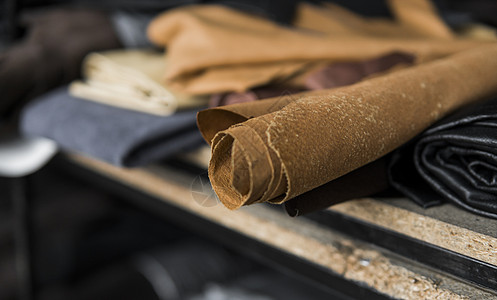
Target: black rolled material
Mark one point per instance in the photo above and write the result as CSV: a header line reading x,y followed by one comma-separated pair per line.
x,y
454,160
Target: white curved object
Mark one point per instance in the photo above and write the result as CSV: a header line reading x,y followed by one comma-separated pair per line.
x,y
21,156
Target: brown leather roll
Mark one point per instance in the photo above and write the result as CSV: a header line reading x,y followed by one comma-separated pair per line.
x,y
290,145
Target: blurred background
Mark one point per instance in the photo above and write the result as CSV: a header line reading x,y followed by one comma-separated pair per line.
x,y
89,244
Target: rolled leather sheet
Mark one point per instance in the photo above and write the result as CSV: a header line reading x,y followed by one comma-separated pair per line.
x,y
131,79
215,49
454,161
118,136
280,148
365,181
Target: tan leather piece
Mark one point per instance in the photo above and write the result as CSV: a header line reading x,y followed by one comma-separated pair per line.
x,y
216,119
238,78
413,19
131,79
421,17
214,49
322,135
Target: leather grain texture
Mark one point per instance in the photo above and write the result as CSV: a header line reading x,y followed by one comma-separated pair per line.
x,y
215,49
280,148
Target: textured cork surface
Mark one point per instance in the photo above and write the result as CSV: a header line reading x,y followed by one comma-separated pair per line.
x,y
350,259
423,227
446,226
451,214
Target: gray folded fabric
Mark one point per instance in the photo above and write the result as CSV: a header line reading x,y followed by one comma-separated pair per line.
x,y
118,136
131,28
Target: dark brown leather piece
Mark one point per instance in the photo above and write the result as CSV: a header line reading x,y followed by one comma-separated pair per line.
x,y
51,53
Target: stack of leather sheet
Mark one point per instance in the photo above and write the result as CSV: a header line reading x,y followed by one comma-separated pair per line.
x,y
215,49
376,84
131,79
285,147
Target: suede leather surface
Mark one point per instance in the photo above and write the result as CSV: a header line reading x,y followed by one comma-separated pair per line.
x,y
280,148
329,76
251,95
345,73
215,49
365,181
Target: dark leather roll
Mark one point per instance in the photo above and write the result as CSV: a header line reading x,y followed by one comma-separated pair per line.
x,y
365,181
455,160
